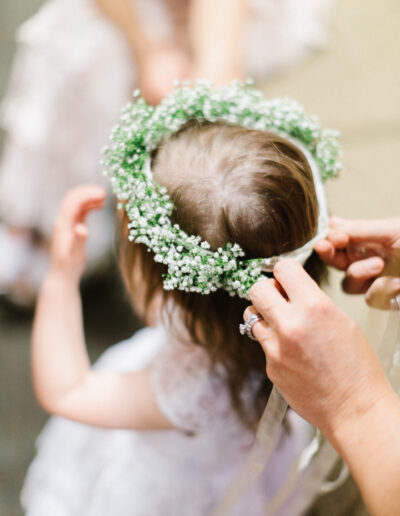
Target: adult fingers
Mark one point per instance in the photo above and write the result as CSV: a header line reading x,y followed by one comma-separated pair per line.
x,y
359,274
261,331
295,281
331,255
339,239
268,300
361,230
259,328
382,291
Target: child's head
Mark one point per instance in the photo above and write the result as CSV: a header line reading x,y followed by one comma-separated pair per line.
x,y
228,184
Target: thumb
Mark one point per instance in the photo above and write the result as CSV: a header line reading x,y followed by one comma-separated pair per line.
x,y
382,291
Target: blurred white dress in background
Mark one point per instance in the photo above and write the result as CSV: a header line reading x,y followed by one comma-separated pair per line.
x,y
72,72
81,470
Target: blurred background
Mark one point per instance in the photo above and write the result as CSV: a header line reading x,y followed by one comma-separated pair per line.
x,y
353,85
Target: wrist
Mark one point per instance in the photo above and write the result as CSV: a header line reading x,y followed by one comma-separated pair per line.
x,y
152,50
59,275
364,418
370,446
141,46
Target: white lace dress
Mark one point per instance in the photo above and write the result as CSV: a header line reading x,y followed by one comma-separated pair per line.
x,y
73,71
86,471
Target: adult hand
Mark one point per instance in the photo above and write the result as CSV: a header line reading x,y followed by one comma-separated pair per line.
x,y
158,67
369,253
323,365
318,358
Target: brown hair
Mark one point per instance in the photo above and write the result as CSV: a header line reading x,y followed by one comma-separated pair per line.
x,y
228,184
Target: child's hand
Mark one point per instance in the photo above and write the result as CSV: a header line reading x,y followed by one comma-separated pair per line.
x,y
158,68
68,250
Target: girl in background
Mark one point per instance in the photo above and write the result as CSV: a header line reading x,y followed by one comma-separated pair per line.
x,y
79,60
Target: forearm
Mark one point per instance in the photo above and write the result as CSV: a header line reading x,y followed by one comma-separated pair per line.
x,y
59,358
325,368
216,35
370,445
124,15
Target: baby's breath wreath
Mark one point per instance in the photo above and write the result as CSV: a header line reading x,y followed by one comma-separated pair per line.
x,y
191,264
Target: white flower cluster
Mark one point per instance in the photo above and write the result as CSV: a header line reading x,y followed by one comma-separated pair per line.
x,y
192,265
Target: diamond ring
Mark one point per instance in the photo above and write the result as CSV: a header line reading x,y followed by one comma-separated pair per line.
x,y
245,329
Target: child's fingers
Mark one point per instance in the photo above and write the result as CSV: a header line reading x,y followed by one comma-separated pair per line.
x,y
89,205
81,231
78,202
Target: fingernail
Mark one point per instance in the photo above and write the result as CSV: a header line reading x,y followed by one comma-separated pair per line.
x,y
375,265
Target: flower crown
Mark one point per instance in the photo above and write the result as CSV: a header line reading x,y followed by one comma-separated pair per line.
x,y
191,264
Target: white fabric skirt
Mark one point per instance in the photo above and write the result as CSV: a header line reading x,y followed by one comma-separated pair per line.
x,y
82,470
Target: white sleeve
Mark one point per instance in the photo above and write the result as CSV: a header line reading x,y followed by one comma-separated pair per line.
x,y
188,393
